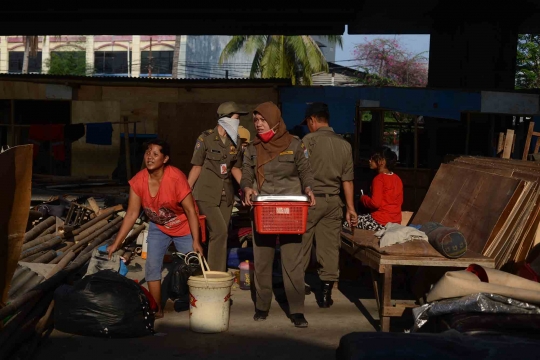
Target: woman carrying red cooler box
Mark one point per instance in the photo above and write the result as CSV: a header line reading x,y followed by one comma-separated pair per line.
x,y
276,163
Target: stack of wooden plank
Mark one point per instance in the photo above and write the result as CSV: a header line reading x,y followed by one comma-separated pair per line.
x,y
494,202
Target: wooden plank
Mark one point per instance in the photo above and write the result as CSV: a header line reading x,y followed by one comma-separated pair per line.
x,y
516,238
93,205
480,214
437,262
504,216
12,123
375,281
126,147
503,246
530,237
537,147
437,195
537,237
398,310
508,141
406,217
15,192
528,140
386,297
506,225
500,144
527,219
464,261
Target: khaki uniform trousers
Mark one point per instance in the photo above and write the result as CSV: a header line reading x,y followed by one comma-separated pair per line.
x,y
217,223
324,222
292,267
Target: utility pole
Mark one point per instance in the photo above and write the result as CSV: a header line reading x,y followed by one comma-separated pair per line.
x,y
128,59
150,59
176,56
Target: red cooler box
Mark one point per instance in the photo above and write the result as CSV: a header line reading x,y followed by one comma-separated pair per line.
x,y
281,214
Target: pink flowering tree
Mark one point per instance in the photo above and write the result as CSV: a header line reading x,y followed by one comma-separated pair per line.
x,y
387,63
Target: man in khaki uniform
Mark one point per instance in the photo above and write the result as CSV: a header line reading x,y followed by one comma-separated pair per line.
x,y
217,158
332,165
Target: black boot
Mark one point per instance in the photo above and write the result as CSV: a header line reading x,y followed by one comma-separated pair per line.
x,y
326,299
260,315
307,289
299,320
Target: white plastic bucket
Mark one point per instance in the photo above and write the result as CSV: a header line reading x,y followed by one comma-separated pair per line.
x,y
209,296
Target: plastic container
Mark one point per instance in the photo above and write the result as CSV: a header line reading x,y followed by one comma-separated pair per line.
x,y
247,269
144,235
202,224
236,256
281,214
209,298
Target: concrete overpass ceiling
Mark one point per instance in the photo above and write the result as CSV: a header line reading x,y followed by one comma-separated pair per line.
x,y
140,18
324,18
422,16
387,17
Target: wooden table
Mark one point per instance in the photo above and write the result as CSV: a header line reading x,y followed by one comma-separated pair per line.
x,y
381,271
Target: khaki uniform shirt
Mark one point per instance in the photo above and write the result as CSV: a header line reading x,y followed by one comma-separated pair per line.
x,y
289,173
331,160
217,159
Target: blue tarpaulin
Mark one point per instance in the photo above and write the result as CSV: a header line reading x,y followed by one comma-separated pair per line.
x,y
446,104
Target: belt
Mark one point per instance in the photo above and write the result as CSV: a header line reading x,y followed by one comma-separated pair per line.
x,y
326,195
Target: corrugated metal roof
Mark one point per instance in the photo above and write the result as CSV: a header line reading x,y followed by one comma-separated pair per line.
x,y
141,81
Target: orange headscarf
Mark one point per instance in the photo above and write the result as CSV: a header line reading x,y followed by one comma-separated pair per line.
x,y
266,152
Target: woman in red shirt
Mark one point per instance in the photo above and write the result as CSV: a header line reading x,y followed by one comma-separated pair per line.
x,y
165,195
386,197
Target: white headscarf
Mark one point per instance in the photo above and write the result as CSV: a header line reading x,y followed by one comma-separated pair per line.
x,y
231,127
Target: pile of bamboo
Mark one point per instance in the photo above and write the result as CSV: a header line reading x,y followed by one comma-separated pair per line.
x,y
27,317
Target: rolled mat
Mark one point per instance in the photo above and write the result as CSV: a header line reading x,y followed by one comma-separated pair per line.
x,y
448,241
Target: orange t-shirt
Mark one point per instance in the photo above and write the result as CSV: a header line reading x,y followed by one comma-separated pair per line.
x,y
164,209
386,199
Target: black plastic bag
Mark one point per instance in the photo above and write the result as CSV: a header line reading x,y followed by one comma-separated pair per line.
x,y
178,288
105,304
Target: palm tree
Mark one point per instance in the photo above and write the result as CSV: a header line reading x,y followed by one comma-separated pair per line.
x,y
30,50
281,56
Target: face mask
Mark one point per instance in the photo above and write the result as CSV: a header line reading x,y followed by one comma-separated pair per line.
x,y
231,127
267,136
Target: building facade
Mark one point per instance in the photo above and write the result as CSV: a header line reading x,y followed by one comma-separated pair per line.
x,y
136,55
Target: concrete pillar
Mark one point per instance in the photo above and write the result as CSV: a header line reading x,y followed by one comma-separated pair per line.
x,y
89,55
182,58
4,54
136,56
45,54
473,54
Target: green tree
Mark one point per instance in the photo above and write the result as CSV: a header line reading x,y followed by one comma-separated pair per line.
x,y
30,50
386,62
68,63
281,56
528,62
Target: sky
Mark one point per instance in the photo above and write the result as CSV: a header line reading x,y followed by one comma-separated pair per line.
x,y
414,43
